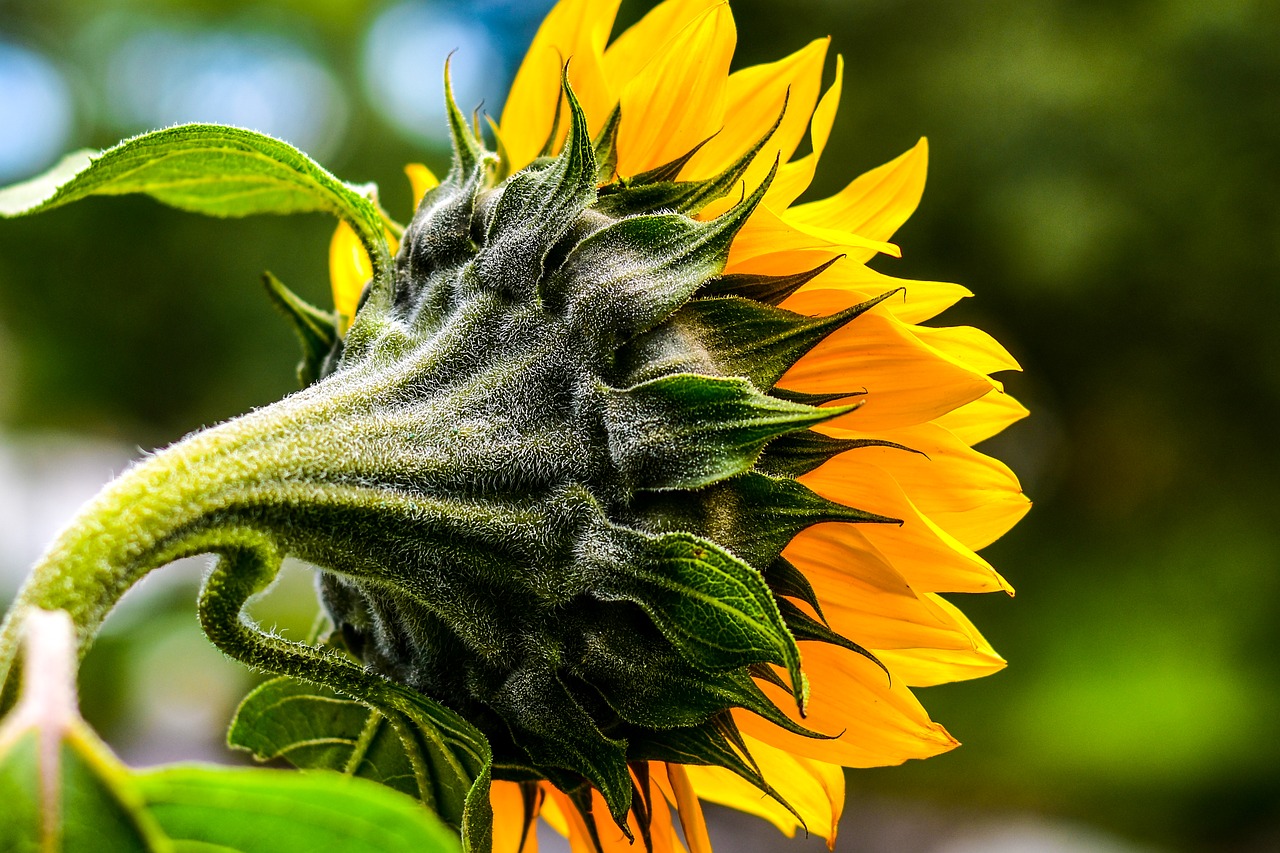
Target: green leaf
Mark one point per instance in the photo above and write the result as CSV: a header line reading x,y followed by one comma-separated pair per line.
x,y
210,169
279,811
313,728
62,788
686,431
423,751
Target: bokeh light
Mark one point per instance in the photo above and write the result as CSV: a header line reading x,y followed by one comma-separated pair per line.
x,y
36,113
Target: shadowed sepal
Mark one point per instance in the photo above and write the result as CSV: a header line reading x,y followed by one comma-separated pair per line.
x,y
714,608
798,453
715,743
629,276
630,197
769,289
753,515
805,627
538,205
316,330
786,580
742,337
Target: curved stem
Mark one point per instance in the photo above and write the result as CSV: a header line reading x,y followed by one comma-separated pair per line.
x,y
149,516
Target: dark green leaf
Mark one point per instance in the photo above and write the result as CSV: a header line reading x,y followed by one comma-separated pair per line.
x,y
312,728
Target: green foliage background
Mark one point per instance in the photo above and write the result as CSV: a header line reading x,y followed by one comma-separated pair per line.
x,y
1102,177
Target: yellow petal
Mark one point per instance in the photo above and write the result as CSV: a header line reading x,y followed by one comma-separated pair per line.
x,y
875,204
349,270
878,723
971,347
550,811
906,381
755,99
864,598
509,825
983,418
972,496
568,816
815,789
845,284
575,31
931,559
630,52
924,667
422,180
679,98
767,233
794,178
690,810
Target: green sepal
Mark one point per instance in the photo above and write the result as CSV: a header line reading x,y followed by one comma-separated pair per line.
x,y
468,152
211,169
805,627
798,453
538,206
744,337
686,431
316,330
815,399
502,169
686,197
668,171
606,147
629,276
716,609
556,731
645,679
786,580
715,743
769,289
764,672
549,144
753,515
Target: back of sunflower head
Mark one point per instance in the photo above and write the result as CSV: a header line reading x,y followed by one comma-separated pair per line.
x,y
546,470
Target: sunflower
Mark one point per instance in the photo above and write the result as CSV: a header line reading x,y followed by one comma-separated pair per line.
x,y
867,594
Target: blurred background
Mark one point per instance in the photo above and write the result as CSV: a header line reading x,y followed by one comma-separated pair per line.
x,y
1103,176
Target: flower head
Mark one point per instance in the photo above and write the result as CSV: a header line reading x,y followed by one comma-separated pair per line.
x,y
746,410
